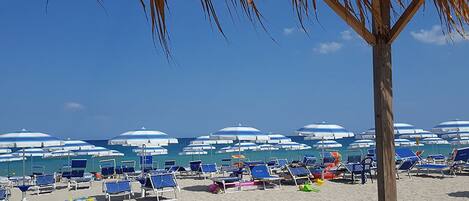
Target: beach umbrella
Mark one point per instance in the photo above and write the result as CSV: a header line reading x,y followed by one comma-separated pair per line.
x,y
460,141
110,153
239,133
192,152
267,147
27,139
450,135
59,154
405,143
419,134
5,151
151,150
72,145
96,150
205,139
275,139
327,144
360,144
399,129
434,141
200,147
143,138
242,146
323,130
454,126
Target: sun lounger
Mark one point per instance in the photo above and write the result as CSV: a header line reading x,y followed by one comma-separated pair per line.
x,y
226,182
4,193
117,188
44,182
261,173
208,170
162,183
169,163
298,173
356,166
310,161
77,175
458,161
195,166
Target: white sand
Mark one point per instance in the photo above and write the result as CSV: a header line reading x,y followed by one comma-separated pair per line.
x,y
415,188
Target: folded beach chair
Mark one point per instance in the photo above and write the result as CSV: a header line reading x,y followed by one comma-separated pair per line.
x,y
195,166
44,182
77,175
117,188
208,170
162,183
299,173
261,173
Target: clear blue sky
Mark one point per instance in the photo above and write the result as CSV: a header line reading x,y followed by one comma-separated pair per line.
x,y
83,72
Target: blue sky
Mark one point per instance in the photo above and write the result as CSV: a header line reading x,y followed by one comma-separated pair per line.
x,y
81,71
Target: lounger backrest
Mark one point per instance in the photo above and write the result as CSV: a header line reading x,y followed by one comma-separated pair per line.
x,y
367,163
462,154
106,171
309,160
208,168
160,181
42,180
169,163
407,164
128,169
405,153
77,173
226,162
299,171
79,163
146,160
118,187
282,162
195,165
437,157
3,194
260,171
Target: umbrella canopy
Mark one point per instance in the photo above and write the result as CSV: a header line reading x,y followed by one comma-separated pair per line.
x,y
192,152
151,150
359,144
434,140
399,129
420,134
451,127
59,154
5,151
460,141
31,152
143,137
199,147
405,143
205,139
327,144
323,130
450,135
26,139
72,145
267,147
275,139
10,157
110,153
92,151
243,146
239,133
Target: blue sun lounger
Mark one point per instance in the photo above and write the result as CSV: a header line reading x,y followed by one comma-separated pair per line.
x,y
298,173
459,159
208,170
3,194
117,188
162,183
44,182
261,173
195,166
77,175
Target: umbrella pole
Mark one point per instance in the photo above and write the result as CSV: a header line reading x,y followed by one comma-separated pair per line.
x,y
322,150
24,167
239,151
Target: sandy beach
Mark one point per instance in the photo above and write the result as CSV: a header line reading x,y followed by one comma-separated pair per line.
x,y
415,188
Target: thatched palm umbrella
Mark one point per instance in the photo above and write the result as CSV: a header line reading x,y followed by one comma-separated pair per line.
x,y
371,19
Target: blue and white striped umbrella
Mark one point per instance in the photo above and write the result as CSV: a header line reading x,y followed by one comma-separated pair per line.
x,y
399,129
460,141
239,133
110,153
143,137
60,154
199,147
151,150
324,130
359,144
26,139
243,146
72,145
275,139
451,127
327,144
31,152
192,152
267,147
434,141
450,135
10,158
292,146
92,151
420,134
405,143
5,151
205,139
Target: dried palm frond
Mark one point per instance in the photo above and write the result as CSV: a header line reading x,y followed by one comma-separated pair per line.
x,y
453,14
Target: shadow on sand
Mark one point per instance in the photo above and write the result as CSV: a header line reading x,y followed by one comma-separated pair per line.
x,y
459,194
